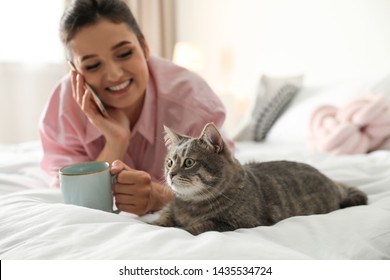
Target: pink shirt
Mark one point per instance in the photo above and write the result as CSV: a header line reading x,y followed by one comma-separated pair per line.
x,y
175,97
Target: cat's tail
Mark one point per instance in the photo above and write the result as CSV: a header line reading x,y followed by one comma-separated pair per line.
x,y
352,196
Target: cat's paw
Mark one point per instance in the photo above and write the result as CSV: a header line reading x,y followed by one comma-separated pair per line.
x,y
158,223
163,221
196,230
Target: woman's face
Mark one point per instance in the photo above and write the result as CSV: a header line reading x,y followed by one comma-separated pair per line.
x,y
113,62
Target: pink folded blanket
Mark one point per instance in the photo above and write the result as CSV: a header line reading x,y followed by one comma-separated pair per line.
x,y
359,127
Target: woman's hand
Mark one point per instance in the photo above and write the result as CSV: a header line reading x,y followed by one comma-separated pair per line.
x,y
115,128
135,192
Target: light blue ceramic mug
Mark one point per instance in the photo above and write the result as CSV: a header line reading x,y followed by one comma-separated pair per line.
x,y
88,184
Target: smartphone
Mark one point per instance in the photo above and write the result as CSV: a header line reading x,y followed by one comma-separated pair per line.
x,y
96,99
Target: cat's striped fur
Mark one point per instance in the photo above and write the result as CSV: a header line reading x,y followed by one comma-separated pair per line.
x,y
213,191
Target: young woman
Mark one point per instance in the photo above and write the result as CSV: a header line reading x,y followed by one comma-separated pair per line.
x,y
141,93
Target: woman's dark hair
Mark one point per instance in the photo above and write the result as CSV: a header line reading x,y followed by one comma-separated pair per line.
x,y
81,13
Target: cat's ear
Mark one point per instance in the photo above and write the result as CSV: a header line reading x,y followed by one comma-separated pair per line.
x,y
212,137
171,137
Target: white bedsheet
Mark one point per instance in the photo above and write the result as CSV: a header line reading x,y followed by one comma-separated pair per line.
x,y
35,224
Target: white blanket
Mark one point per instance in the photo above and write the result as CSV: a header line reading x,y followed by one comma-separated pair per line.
x,y
35,224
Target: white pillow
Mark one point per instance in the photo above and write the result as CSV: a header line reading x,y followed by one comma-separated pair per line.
x,y
293,126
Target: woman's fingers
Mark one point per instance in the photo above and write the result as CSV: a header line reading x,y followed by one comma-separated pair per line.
x,y
80,91
117,166
74,81
77,87
87,104
91,110
132,189
131,208
132,176
131,198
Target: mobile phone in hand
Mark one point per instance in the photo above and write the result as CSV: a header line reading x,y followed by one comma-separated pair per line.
x,y
96,99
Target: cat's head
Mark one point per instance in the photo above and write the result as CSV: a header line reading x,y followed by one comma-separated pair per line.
x,y
196,167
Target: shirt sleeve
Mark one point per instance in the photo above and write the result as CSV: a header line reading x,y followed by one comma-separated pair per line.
x,y
59,135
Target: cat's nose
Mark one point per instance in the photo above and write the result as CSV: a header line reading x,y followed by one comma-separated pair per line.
x,y
172,174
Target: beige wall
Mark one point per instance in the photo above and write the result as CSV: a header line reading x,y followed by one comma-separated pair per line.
x,y
23,93
327,40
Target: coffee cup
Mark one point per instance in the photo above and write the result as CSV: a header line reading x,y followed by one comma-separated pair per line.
x,y
88,184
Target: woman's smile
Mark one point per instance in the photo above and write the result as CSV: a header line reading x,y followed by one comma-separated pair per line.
x,y
120,88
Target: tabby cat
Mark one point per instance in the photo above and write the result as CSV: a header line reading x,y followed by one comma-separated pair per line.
x,y
213,191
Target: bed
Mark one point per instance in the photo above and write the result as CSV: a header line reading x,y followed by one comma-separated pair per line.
x,y
36,224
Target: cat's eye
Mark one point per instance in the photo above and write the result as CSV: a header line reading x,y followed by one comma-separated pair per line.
x,y
169,163
189,162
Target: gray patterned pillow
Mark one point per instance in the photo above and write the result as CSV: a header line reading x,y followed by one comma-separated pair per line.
x,y
274,96
271,110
